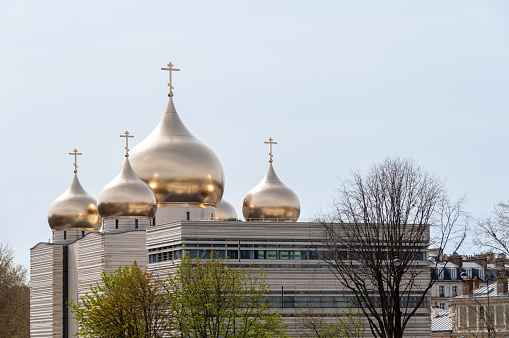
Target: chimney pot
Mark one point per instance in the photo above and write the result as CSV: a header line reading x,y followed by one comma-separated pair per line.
x,y
501,285
476,283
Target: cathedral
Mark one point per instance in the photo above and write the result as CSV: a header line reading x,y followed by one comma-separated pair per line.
x,y
165,201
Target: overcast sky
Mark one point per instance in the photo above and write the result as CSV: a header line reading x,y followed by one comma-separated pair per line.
x,y
339,85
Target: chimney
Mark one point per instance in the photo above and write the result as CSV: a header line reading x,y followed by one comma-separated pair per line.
x,y
500,261
457,259
476,283
501,284
435,310
468,286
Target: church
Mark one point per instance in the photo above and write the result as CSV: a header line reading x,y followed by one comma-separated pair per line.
x,y
167,200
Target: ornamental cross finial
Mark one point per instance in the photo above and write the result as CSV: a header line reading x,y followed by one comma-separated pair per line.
x,y
170,69
126,135
270,143
75,153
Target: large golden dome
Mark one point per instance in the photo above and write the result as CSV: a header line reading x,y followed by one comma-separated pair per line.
x,y
75,209
225,211
127,196
177,166
271,200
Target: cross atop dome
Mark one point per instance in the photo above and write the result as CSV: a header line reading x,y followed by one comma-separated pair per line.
x,y
75,153
126,135
270,143
170,69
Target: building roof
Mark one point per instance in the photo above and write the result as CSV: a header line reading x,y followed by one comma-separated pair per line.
x,y
482,292
442,322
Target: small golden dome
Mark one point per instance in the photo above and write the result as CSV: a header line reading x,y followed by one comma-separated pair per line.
x,y
75,209
225,211
177,166
127,196
271,200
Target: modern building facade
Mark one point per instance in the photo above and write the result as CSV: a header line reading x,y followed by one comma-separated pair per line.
x,y
167,200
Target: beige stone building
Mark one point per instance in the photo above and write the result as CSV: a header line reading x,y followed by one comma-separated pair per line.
x,y
482,310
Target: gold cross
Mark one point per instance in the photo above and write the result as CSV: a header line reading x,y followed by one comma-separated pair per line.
x,y
126,135
170,69
270,143
75,153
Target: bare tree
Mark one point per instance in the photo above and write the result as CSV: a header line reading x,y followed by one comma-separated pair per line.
x,y
14,296
377,233
494,233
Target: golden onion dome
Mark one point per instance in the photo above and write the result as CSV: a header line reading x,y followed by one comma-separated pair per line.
x,y
271,200
75,209
176,165
127,196
225,211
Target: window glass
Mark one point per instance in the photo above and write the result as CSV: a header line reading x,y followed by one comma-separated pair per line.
x,y
233,254
298,255
246,254
272,254
286,254
314,255
259,254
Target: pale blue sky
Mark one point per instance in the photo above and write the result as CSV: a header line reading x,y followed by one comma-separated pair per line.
x,y
338,84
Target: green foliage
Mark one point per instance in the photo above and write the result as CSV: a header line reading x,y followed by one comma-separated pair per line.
x,y
14,297
210,299
128,303
340,324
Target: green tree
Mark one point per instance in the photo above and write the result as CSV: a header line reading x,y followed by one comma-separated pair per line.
x,y
211,299
14,297
344,323
128,303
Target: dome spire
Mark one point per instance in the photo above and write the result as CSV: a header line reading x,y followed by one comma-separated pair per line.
x,y
75,153
126,135
270,143
170,69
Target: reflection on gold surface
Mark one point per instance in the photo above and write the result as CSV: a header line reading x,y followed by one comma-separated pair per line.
x,y
271,199
176,165
126,195
75,209
225,211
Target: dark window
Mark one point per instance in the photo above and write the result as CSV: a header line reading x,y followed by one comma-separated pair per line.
x,y
259,254
233,254
82,233
116,224
65,234
188,216
136,224
246,254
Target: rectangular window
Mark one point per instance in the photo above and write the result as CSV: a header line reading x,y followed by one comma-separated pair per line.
x,y
481,273
314,255
469,272
188,215
116,224
246,254
65,234
298,255
272,254
83,234
454,291
259,254
286,254
453,273
441,291
441,273
233,254
136,224
442,306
